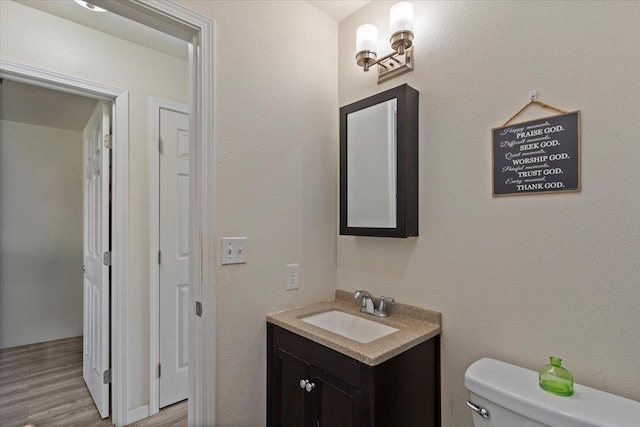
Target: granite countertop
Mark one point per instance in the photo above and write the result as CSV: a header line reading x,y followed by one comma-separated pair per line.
x,y
414,324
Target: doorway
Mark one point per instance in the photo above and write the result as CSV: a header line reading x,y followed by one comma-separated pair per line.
x,y
199,31
54,230
40,213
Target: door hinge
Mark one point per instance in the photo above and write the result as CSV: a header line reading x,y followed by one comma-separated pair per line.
x,y
159,256
106,377
108,142
159,370
106,258
160,145
198,308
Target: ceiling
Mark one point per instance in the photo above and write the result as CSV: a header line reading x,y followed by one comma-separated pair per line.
x,y
338,9
113,24
40,106
134,32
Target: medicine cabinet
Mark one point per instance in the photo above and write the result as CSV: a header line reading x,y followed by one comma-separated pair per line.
x,y
379,165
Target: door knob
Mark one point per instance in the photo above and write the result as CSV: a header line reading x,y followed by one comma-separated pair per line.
x,y
307,385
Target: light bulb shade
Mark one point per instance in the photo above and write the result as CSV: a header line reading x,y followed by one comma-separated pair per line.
x,y
401,17
367,38
89,6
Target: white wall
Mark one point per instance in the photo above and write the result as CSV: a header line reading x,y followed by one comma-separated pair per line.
x,y
40,234
34,38
277,139
516,278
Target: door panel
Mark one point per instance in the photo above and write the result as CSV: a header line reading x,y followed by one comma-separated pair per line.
x,y
174,265
96,164
334,403
291,403
182,238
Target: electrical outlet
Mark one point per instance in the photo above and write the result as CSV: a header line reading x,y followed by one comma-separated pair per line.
x,y
293,276
234,250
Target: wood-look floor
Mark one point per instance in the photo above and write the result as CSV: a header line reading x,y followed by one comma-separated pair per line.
x,y
42,385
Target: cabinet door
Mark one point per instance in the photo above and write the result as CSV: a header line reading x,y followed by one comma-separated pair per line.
x,y
290,404
333,402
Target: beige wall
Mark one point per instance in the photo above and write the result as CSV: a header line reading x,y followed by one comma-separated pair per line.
x,y
277,133
40,234
34,38
516,278
575,292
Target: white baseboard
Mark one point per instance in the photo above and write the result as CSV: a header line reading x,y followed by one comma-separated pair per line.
x,y
137,414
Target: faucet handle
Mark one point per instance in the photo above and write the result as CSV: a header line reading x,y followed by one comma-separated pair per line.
x,y
383,304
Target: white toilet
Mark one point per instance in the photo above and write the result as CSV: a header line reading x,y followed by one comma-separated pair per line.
x,y
504,395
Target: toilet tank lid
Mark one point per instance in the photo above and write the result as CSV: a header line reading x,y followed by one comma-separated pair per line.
x,y
517,389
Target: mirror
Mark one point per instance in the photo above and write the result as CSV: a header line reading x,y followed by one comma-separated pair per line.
x,y
379,165
371,177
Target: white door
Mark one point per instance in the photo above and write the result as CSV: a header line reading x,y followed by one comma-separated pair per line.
x,y
96,162
174,257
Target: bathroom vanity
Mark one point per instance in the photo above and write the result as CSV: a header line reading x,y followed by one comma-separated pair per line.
x,y
316,377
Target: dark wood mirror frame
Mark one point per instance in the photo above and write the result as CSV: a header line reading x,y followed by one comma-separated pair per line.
x,y
406,168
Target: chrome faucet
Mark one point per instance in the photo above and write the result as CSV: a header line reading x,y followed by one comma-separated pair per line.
x,y
366,301
367,305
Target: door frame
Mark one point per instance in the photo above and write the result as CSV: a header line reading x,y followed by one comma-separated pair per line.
x,y
119,211
155,104
199,31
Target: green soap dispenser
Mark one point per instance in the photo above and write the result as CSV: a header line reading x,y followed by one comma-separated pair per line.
x,y
556,379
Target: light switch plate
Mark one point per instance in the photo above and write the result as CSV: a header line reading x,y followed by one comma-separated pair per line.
x,y
234,250
293,276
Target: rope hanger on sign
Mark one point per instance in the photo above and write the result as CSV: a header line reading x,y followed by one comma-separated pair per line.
x,y
533,100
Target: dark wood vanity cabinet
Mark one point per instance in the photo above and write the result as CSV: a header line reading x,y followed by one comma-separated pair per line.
x,y
343,392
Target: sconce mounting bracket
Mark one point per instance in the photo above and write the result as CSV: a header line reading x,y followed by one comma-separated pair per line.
x,y
393,65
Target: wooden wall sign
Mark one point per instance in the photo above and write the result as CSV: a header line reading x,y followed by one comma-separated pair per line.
x,y
538,156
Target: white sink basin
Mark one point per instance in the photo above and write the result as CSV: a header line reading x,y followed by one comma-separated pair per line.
x,y
347,325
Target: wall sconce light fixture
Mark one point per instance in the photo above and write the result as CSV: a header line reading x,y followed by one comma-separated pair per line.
x,y
401,59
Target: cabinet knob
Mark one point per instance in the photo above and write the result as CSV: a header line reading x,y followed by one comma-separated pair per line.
x,y
305,384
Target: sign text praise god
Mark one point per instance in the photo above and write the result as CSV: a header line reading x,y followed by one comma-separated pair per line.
x,y
537,156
